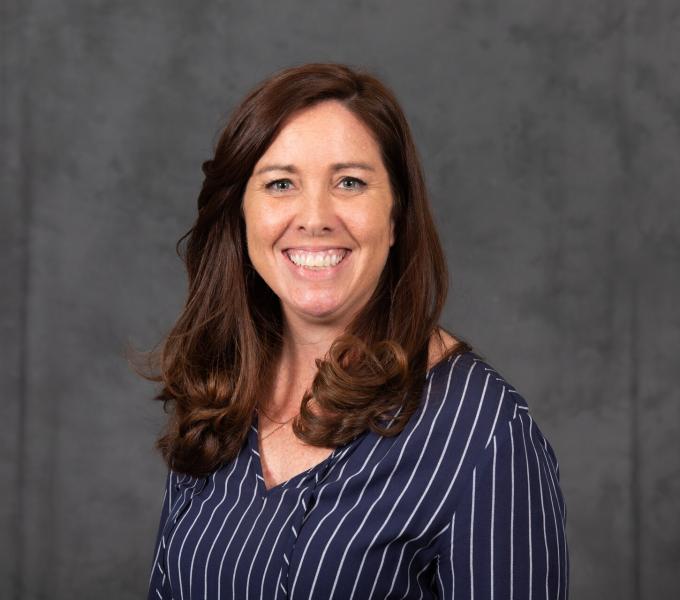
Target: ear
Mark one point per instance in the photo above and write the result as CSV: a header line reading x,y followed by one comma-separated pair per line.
x,y
392,237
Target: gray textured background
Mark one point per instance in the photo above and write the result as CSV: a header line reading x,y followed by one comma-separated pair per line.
x,y
550,136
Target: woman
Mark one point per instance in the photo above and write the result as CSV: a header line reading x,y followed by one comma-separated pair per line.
x,y
327,439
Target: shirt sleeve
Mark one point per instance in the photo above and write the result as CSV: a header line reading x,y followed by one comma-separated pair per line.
x,y
159,584
508,534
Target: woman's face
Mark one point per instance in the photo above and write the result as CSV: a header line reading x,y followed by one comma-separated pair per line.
x,y
320,194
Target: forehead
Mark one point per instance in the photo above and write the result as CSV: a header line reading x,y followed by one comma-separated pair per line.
x,y
325,132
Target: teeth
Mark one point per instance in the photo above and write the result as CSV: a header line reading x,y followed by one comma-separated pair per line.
x,y
328,258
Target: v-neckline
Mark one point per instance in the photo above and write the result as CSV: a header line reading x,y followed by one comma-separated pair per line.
x,y
288,483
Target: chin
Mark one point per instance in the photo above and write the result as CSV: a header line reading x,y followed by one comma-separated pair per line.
x,y
318,312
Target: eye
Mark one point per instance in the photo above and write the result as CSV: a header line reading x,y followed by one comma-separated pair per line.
x,y
274,185
356,183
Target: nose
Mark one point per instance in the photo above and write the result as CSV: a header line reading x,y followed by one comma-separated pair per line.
x,y
316,213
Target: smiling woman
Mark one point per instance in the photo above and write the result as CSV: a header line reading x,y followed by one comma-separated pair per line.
x,y
327,438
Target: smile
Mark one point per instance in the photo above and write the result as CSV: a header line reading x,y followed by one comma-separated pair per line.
x,y
317,260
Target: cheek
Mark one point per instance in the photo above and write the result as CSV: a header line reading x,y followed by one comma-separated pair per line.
x,y
262,228
370,228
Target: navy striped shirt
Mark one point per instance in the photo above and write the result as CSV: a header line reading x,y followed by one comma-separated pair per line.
x,y
464,503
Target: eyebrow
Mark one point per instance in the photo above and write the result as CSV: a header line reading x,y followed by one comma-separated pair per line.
x,y
335,167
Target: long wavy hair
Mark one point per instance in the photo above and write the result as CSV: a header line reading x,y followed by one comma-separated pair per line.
x,y
226,342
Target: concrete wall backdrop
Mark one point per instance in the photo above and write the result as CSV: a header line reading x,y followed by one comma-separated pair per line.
x,y
550,135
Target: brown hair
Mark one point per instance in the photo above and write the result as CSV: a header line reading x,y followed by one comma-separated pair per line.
x,y
227,339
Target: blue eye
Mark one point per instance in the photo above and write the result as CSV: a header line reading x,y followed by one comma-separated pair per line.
x,y
358,183
272,185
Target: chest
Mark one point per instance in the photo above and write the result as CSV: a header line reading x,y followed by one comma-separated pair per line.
x,y
283,456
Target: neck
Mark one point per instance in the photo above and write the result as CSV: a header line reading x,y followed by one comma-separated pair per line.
x,y
296,365
305,341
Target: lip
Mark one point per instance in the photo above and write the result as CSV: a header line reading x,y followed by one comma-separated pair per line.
x,y
314,248
316,274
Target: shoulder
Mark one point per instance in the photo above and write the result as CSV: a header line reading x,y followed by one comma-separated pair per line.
x,y
177,483
468,404
467,386
479,416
